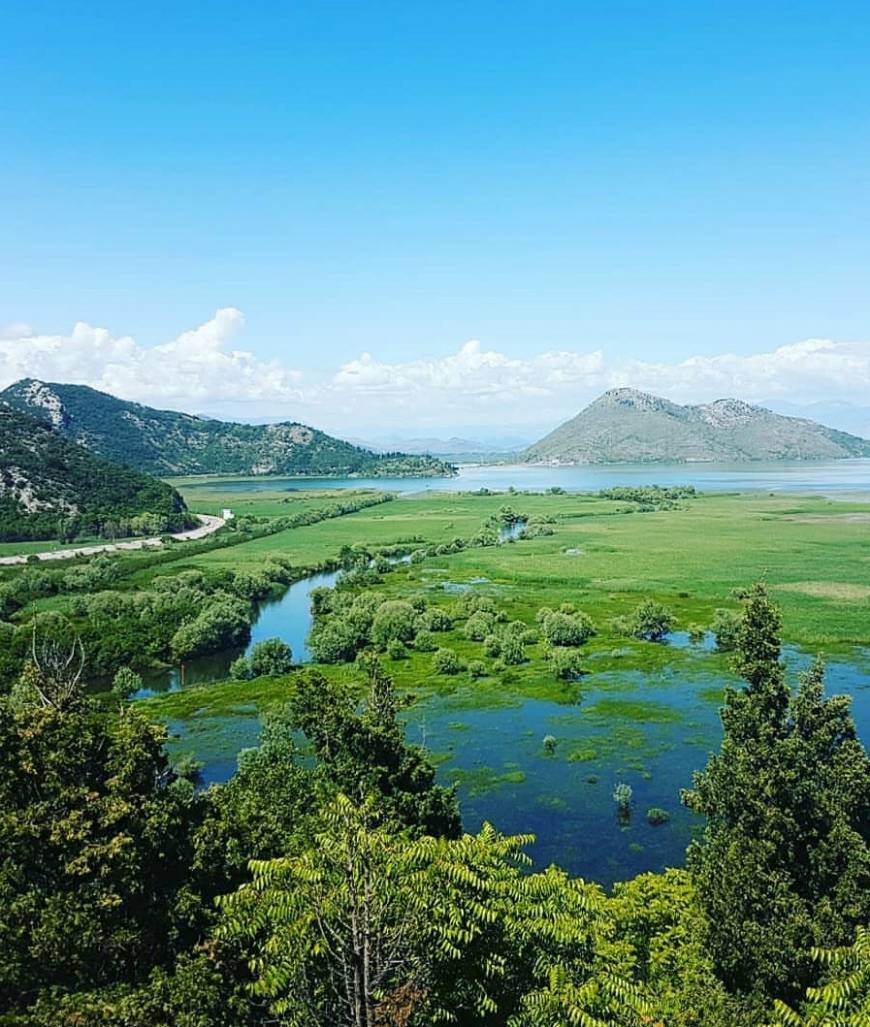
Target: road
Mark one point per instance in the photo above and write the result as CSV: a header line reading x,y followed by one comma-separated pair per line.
x,y
208,525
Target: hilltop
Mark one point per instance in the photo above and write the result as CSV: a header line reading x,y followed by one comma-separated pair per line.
x,y
628,426
51,487
165,442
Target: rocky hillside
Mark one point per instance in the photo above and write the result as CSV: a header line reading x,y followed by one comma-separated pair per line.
x,y
164,442
627,426
51,487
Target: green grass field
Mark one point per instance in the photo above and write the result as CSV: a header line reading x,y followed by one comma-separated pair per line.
x,y
813,552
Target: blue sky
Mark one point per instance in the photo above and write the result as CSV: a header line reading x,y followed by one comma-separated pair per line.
x,y
651,182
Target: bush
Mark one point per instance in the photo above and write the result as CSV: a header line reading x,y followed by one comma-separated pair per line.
x,y
651,621
240,669
724,627
656,816
479,625
395,620
512,650
126,683
396,650
270,657
572,629
622,794
436,619
477,668
549,744
425,642
446,661
566,664
492,645
334,641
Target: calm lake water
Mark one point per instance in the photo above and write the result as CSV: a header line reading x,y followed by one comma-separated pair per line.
x,y
836,476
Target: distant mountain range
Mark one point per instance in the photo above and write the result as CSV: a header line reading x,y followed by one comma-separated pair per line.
x,y
50,486
164,442
628,426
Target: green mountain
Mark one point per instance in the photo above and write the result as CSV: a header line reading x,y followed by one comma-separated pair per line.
x,y
51,487
627,426
164,442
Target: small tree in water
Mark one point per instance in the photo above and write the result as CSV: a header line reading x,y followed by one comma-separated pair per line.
x,y
622,795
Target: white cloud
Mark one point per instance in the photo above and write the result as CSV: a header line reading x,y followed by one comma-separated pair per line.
x,y
200,370
197,368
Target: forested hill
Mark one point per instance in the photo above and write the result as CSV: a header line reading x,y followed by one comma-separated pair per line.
x,y
627,426
51,487
165,442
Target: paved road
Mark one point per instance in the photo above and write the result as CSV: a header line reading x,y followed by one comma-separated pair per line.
x,y
208,525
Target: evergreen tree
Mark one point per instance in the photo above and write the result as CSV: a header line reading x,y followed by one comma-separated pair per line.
x,y
784,863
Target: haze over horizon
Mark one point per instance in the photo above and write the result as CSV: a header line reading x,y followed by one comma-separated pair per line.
x,y
313,212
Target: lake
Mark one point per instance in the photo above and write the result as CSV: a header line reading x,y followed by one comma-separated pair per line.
x,y
835,476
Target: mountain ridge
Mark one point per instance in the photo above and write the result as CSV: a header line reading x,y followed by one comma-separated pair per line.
x,y
167,442
626,425
50,487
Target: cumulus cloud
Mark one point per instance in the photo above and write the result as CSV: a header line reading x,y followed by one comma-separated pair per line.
x,y
203,370
198,367
558,383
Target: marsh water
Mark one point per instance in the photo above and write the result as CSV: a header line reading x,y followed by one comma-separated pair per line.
x,y
649,730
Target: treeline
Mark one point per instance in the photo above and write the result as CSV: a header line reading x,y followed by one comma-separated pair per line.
x,y
650,497
175,618
331,884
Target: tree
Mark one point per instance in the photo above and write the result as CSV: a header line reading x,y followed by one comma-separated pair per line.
x,y
784,863
446,661
363,753
568,629
479,625
270,657
394,620
126,683
369,927
651,621
95,836
843,1000
566,664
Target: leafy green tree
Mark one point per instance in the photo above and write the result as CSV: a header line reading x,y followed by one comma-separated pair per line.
x,y
725,626
271,657
126,683
222,623
479,625
784,864
843,999
369,927
568,629
395,619
362,751
566,664
334,640
446,661
95,850
651,621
